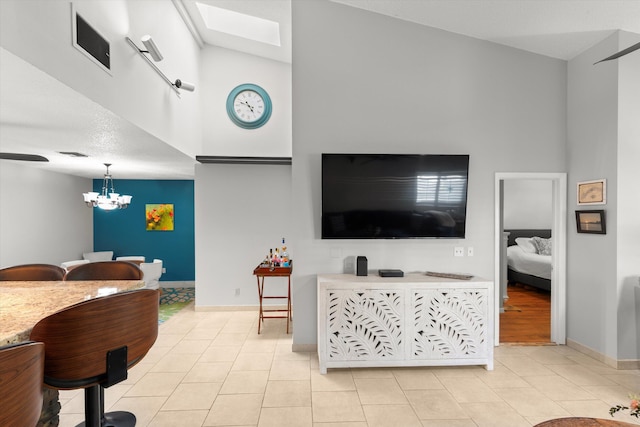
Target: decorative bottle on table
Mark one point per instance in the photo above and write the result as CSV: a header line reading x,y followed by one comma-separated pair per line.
x,y
284,255
276,258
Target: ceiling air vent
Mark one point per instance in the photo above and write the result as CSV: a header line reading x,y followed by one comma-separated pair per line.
x,y
72,153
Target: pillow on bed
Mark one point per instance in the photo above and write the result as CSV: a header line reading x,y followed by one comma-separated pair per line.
x,y
543,246
526,244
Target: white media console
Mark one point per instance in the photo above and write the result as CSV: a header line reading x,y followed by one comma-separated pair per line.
x,y
416,320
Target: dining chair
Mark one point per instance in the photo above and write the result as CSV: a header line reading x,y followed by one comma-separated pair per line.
x,y
152,272
91,345
37,272
105,270
98,256
136,259
21,373
70,265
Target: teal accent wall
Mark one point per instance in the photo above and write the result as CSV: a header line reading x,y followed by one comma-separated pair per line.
x,y
123,231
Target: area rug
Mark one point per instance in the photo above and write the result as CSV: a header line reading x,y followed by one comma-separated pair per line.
x,y
173,300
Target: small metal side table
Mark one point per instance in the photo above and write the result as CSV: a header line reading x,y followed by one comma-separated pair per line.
x,y
262,272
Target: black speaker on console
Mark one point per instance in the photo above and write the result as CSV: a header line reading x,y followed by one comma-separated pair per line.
x,y
361,266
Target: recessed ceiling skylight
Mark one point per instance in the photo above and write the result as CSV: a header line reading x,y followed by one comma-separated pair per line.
x,y
239,24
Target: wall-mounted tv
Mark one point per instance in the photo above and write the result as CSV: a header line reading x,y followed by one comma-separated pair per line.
x,y
394,196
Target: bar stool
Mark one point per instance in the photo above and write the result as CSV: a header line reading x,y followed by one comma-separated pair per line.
x,y
21,370
92,344
32,272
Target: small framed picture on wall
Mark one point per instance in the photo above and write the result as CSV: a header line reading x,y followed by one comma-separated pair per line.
x,y
592,192
591,222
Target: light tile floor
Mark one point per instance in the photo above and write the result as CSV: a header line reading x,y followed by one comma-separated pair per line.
x,y
213,369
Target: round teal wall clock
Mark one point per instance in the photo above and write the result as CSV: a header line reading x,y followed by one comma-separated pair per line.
x,y
249,106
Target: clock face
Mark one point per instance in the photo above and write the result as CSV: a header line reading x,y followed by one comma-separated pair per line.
x,y
249,106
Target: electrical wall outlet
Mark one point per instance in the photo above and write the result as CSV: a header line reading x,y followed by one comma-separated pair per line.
x,y
164,270
458,251
470,251
237,292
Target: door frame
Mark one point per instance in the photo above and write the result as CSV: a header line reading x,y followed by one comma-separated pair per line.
x,y
559,250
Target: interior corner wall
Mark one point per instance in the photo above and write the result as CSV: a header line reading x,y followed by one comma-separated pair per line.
x,y
241,211
125,233
381,85
40,32
628,221
528,204
592,153
31,231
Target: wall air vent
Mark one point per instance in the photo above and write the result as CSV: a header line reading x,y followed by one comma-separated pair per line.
x,y
90,42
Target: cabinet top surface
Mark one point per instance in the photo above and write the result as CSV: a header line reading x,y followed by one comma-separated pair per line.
x,y
409,278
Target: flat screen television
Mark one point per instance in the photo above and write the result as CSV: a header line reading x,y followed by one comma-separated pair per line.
x,y
394,196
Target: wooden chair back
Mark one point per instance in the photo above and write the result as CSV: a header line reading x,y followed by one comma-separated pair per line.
x,y
78,337
37,272
21,370
105,270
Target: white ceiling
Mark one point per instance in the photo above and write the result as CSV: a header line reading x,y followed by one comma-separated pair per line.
x,y
557,28
40,115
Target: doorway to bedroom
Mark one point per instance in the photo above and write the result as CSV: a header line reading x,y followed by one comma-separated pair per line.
x,y
530,209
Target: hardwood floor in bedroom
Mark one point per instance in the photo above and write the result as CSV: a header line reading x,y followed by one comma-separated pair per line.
x,y
527,316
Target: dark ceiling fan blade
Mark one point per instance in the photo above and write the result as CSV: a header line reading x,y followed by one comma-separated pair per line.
x,y
23,157
621,53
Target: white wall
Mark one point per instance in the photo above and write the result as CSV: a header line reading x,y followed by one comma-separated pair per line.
x,y
44,212
223,70
240,211
603,105
527,204
628,238
377,84
39,31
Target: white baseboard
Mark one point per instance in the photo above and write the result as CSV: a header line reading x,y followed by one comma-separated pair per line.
x,y
178,284
238,307
226,307
623,364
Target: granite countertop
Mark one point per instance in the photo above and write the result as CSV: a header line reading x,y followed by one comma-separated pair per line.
x,y
23,304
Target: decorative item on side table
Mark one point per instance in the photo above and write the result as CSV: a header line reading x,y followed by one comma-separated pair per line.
x,y
159,217
591,222
592,192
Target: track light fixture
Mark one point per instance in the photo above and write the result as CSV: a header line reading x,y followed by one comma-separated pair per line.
x,y
155,54
180,84
152,49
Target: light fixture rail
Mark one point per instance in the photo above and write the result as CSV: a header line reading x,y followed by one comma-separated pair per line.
x,y
157,70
